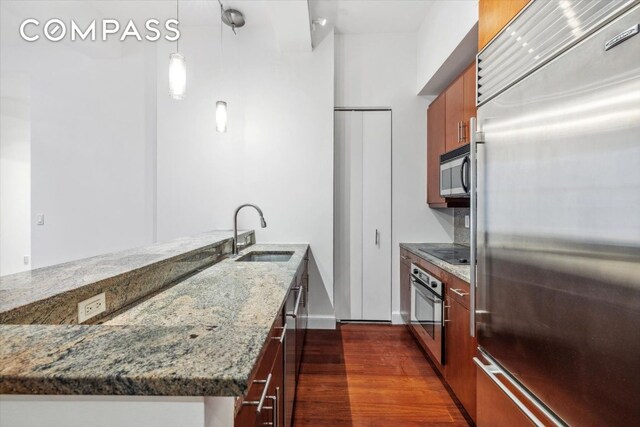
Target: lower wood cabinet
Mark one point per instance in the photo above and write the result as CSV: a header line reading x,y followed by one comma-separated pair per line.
x,y
263,403
271,395
460,371
495,409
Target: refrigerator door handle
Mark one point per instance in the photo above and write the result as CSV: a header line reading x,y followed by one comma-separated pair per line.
x,y
492,371
476,138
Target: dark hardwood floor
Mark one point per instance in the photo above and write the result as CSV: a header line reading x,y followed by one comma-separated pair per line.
x,y
370,375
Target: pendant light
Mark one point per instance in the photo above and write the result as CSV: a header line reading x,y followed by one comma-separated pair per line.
x,y
177,68
221,116
235,19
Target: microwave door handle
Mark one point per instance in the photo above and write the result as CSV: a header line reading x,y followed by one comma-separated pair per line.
x,y
464,173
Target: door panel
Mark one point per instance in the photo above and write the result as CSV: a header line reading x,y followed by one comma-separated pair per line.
x,y
454,107
348,214
376,216
362,209
435,147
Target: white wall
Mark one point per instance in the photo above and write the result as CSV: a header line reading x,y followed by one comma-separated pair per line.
x,y
378,70
15,173
278,152
447,25
92,155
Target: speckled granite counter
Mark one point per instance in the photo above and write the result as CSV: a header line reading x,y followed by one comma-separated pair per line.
x,y
461,271
201,337
51,294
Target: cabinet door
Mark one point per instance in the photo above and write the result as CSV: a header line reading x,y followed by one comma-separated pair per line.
x,y
435,147
469,90
494,15
405,289
454,116
495,409
460,370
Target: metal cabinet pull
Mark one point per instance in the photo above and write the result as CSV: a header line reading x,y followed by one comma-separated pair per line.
x,y
463,134
377,238
260,403
404,257
281,337
294,313
459,292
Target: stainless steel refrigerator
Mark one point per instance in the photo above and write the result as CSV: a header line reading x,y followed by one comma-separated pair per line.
x,y
556,214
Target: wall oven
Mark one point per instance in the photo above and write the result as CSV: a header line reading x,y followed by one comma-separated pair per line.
x,y
454,173
427,311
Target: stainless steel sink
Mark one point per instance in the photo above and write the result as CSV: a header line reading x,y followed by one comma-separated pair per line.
x,y
266,256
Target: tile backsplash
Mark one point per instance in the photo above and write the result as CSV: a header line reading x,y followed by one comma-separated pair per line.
x,y
460,232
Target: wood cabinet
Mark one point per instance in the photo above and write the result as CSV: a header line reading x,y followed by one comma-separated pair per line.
x,y
454,117
263,403
495,409
448,127
494,15
460,371
460,107
435,147
275,376
469,101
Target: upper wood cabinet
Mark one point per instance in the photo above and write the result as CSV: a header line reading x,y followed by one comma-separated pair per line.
x,y
494,15
469,104
448,126
460,107
454,117
435,147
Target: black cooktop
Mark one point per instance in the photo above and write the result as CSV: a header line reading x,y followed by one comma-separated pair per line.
x,y
447,252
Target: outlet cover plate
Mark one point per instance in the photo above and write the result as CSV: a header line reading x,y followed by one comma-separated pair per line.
x,y
91,307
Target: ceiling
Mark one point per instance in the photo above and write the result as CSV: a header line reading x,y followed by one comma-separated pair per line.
x,y
371,16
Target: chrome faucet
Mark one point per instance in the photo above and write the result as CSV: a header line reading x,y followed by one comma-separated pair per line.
x,y
263,224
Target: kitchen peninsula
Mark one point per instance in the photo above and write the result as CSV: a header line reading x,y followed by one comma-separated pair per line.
x,y
189,350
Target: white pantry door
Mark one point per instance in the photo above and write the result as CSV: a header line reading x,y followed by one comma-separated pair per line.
x,y
362,224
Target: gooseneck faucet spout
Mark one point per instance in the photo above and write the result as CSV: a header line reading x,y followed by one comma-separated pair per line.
x,y
263,224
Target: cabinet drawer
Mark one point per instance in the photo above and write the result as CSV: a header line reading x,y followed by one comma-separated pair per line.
x,y
458,290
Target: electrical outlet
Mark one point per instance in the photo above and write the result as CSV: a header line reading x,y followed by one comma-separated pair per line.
x,y
25,260
466,221
91,307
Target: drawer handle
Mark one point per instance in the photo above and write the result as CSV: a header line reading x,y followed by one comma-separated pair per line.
x,y
459,292
281,337
260,403
404,257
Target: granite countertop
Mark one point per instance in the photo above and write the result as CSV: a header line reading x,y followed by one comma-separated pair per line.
x,y
20,289
460,271
200,337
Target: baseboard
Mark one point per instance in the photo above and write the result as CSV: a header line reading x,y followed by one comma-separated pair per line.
x,y
321,322
396,318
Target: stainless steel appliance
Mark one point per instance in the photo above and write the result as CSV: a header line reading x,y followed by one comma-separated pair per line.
x,y
454,173
427,310
556,214
448,252
292,307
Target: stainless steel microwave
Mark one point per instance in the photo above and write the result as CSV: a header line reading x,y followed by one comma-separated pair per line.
x,y
454,173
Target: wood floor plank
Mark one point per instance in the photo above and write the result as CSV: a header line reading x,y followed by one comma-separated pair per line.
x,y
370,376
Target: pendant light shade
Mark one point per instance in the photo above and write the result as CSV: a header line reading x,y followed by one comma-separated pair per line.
x,y
221,116
177,76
